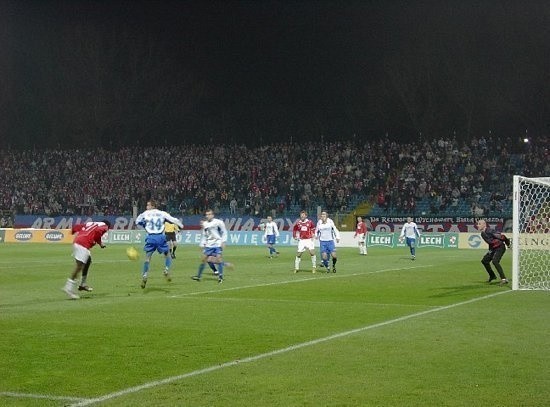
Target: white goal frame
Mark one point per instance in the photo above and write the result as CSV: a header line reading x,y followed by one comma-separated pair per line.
x,y
518,233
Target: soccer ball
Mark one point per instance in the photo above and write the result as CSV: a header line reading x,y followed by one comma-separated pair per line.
x,y
132,253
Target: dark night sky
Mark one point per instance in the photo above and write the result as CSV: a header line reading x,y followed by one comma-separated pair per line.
x,y
83,73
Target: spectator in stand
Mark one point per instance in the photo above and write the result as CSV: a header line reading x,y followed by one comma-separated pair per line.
x,y
233,206
113,181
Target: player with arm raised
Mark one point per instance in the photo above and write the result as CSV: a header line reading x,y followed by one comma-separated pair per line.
x,y
213,239
327,233
410,233
152,220
304,232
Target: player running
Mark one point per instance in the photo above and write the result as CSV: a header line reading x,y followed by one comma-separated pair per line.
x,y
153,221
213,239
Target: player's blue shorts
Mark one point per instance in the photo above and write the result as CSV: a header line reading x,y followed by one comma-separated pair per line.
x,y
411,241
270,239
212,251
156,243
327,246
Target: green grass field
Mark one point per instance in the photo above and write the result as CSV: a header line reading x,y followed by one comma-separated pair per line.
x,y
382,331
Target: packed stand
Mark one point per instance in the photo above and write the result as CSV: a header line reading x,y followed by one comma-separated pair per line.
x,y
436,177
446,177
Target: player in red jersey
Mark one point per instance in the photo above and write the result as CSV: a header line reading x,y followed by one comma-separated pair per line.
x,y
361,233
87,236
304,232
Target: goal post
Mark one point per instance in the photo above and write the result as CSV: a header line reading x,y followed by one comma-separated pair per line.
x,y
531,233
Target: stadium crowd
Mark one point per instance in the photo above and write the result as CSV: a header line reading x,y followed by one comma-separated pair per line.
x,y
270,179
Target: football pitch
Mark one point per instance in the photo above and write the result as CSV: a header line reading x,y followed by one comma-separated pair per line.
x,y
382,331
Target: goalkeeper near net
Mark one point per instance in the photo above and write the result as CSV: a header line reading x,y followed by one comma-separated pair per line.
x,y
497,246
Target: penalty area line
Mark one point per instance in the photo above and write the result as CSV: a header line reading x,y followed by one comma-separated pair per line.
x,y
156,383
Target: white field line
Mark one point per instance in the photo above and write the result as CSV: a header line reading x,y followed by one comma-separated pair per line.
x,y
332,276
156,383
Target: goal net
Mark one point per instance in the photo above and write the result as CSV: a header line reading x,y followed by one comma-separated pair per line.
x,y
531,234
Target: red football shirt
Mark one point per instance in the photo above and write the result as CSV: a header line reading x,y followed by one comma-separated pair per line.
x,y
361,228
304,229
89,234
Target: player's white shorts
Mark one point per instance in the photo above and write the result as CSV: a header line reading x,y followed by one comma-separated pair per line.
x,y
80,253
361,237
305,244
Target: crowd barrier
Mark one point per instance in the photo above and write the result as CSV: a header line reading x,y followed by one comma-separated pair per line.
x,y
239,238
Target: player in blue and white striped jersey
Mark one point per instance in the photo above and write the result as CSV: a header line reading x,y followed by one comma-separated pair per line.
x,y
327,233
152,220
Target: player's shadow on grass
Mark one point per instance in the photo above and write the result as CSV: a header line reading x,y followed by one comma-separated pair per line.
x,y
155,289
458,290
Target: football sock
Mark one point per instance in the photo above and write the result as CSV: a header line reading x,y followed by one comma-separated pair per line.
x,y
220,270
167,262
174,250
314,261
145,267
212,266
334,260
500,271
297,263
201,269
489,270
